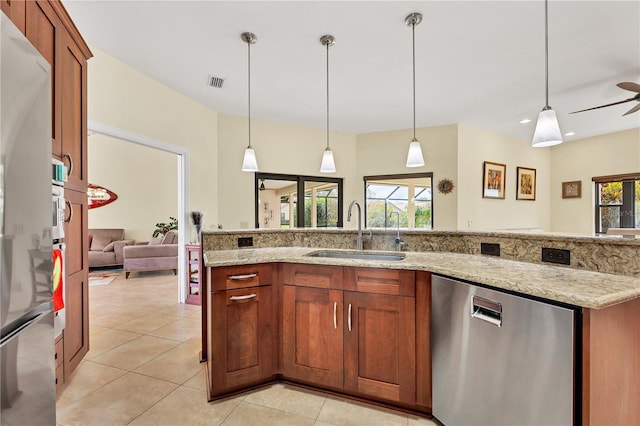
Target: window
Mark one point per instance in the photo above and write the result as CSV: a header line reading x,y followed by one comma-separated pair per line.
x,y
410,195
617,202
277,203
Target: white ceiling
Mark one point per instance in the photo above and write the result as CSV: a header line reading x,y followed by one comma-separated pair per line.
x,y
479,63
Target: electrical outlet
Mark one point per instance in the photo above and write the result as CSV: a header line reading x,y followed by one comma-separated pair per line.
x,y
245,241
491,249
553,255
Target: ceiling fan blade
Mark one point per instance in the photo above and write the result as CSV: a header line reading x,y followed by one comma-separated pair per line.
x,y
633,87
632,110
602,106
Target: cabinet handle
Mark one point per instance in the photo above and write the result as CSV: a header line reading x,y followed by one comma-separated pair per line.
x,y
335,318
242,277
70,163
248,296
68,203
349,317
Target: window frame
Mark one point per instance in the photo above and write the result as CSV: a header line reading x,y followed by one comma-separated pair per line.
x,y
400,176
627,207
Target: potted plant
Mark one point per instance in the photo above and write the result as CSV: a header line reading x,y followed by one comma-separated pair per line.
x,y
162,228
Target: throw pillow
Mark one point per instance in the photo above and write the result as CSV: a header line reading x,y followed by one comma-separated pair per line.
x,y
154,241
170,238
99,243
110,246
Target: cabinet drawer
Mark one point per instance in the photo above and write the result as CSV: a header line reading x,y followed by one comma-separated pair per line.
x,y
381,281
59,351
321,276
231,277
59,378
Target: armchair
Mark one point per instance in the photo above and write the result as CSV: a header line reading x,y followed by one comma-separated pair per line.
x,y
152,256
106,247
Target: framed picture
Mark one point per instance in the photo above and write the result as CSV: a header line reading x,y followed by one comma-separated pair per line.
x,y
572,189
526,189
493,180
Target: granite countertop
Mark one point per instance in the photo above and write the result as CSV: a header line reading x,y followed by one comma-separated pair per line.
x,y
586,289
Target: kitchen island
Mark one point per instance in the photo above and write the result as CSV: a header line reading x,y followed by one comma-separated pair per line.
x,y
293,289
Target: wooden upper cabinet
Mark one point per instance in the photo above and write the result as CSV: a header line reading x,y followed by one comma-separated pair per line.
x,y
16,11
73,111
312,335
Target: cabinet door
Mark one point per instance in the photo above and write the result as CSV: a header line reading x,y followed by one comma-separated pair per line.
x,y
312,335
76,331
73,110
15,10
44,30
241,351
379,346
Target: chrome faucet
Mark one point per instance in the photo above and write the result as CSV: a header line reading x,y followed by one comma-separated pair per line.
x,y
360,236
398,241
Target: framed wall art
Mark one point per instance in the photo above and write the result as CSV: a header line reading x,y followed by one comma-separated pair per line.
x,y
572,189
526,189
493,180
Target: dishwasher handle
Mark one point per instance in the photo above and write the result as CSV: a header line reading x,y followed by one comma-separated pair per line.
x,y
487,310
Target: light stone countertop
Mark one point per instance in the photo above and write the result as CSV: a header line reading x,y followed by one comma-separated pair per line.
x,y
586,289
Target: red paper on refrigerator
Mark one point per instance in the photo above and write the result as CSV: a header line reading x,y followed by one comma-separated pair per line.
x,y
58,277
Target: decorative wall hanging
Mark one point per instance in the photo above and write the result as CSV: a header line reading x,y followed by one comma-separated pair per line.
x,y
572,189
493,180
445,186
526,188
99,196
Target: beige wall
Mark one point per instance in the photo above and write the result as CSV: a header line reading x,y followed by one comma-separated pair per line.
x,y
474,212
615,153
122,97
280,148
144,180
386,153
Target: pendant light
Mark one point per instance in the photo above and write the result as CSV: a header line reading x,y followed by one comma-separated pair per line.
x,y
249,163
547,131
414,157
327,165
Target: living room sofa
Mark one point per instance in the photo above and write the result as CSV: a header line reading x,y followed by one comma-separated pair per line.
x,y
106,247
157,255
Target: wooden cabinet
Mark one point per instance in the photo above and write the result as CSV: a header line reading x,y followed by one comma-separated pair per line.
x,y
241,347
16,11
355,329
193,270
59,363
76,329
312,335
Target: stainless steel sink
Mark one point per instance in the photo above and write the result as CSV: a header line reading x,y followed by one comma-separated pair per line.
x,y
357,255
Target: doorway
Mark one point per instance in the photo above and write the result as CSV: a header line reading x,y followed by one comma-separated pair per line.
x,y
182,157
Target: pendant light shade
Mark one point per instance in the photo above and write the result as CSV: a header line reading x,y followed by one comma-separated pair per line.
x,y
249,163
414,157
328,165
547,131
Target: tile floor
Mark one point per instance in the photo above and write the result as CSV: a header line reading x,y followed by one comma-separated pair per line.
x,y
143,369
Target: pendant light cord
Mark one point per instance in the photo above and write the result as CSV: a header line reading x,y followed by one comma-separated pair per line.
x,y
327,95
413,34
546,52
249,87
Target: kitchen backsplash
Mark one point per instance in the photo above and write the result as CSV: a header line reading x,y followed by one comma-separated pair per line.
x,y
600,254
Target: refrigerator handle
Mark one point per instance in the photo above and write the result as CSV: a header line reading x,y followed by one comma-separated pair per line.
x,y
23,326
487,310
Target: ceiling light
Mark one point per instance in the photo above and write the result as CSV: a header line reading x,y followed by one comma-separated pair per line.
x,y
249,163
570,134
414,157
547,131
525,121
327,165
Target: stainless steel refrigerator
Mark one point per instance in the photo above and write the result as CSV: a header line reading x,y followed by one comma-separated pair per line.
x,y
27,336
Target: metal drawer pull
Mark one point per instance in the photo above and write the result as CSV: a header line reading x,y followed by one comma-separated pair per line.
x,y
335,318
242,277
248,296
70,172
487,310
68,203
349,317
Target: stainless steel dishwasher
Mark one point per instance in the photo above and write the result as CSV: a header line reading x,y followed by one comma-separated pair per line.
x,y
500,359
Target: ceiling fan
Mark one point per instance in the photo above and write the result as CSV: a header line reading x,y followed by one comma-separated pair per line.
x,y
633,87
